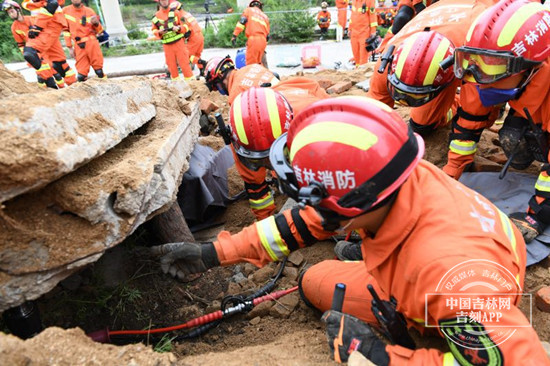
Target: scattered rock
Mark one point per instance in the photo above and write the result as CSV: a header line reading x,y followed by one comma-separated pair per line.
x,y
249,268
482,164
340,87
261,310
499,158
542,299
285,306
296,258
291,272
255,321
263,274
325,83
207,106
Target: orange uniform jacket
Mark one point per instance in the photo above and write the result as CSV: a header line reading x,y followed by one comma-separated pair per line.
x,y
299,92
323,14
416,246
241,79
51,25
342,6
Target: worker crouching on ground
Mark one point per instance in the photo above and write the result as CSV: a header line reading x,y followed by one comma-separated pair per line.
x,y
170,28
256,26
507,57
84,26
323,20
220,74
406,211
257,117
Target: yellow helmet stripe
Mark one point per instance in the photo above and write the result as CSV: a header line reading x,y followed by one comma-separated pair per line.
x,y
486,68
434,65
238,118
342,133
515,22
405,53
273,112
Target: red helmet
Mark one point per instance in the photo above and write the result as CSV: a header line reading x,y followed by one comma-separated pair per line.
x,y
345,155
8,4
506,39
258,116
215,71
416,76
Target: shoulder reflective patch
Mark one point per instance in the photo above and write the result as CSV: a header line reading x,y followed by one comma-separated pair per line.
x,y
470,344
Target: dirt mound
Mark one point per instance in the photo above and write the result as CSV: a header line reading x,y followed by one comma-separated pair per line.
x,y
13,83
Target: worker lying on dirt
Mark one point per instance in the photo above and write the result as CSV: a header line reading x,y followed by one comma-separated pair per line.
x,y
418,77
43,38
257,117
169,26
221,75
323,19
256,26
406,211
362,25
19,30
507,57
195,42
84,26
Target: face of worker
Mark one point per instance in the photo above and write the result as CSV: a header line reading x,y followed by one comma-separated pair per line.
x,y
13,13
77,3
370,221
507,83
164,3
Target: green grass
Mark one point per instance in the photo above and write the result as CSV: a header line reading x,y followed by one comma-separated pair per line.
x,y
130,50
165,344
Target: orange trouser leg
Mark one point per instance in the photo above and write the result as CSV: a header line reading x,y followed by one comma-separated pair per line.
x,y
255,47
171,60
259,193
317,286
342,18
358,45
195,45
82,61
379,86
182,56
93,49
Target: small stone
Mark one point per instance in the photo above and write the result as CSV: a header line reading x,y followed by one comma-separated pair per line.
x,y
285,306
498,158
325,83
260,310
296,258
207,106
263,275
340,87
485,165
291,272
255,321
249,268
233,288
542,299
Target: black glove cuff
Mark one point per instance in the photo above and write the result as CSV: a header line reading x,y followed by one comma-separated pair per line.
x,y
209,256
378,354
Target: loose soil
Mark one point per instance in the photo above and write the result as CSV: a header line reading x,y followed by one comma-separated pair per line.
x,y
125,289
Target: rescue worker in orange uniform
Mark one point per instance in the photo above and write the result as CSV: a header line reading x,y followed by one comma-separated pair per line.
x,y
19,30
362,25
406,211
84,26
255,24
509,62
342,6
195,42
169,26
221,75
415,78
323,19
44,38
252,133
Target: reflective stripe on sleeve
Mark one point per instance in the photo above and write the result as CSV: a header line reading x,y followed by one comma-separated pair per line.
x,y
543,183
271,239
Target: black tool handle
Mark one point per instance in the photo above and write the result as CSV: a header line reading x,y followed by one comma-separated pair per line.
x,y
386,58
338,297
224,131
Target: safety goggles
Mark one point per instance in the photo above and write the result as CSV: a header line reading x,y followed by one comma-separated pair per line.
x,y
253,160
411,96
488,66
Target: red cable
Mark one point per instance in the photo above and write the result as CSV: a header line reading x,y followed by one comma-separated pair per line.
x,y
203,319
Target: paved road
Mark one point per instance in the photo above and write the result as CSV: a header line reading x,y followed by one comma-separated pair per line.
x,y
331,52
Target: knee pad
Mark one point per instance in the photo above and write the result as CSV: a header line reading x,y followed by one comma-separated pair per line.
x,y
511,138
50,83
403,16
81,77
31,56
99,73
419,7
422,130
58,66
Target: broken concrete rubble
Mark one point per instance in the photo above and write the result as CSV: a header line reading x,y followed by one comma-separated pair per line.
x,y
48,234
